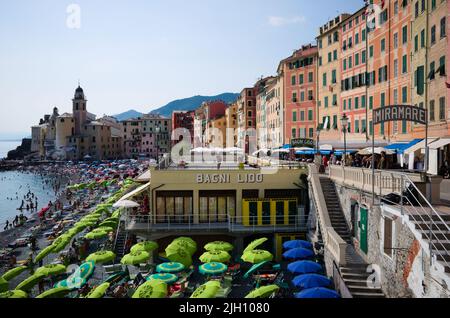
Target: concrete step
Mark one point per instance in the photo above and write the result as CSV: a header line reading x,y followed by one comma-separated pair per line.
x,y
438,226
364,289
368,295
424,217
441,244
444,258
355,282
437,235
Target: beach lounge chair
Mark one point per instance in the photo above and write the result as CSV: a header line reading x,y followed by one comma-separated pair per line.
x,y
112,269
224,292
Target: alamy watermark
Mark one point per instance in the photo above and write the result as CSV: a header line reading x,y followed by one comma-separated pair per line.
x,y
73,20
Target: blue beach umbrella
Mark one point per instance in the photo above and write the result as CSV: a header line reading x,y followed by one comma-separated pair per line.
x,y
290,245
213,268
172,267
298,253
304,267
165,277
308,281
318,292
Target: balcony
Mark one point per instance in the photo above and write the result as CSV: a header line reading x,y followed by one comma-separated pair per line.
x,y
220,223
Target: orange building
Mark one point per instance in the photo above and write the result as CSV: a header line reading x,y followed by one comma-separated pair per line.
x,y
300,79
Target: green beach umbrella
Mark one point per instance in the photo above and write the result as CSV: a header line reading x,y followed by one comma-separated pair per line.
x,y
208,290
55,293
96,234
61,243
135,258
187,241
4,285
12,273
51,270
165,277
215,256
213,268
175,245
14,294
253,245
117,213
263,292
254,268
106,229
111,224
151,289
219,246
30,282
148,246
101,257
172,267
99,291
257,256
179,256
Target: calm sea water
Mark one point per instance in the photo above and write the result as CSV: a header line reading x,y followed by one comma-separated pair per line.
x,y
6,146
15,184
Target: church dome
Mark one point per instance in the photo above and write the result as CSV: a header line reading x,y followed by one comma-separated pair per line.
x,y
79,93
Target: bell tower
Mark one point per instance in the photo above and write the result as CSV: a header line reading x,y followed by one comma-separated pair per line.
x,y
79,110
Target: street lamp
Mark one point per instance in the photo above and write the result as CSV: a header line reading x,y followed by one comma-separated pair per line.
x,y
344,123
318,130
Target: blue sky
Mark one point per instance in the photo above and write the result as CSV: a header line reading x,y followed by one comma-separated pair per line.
x,y
142,54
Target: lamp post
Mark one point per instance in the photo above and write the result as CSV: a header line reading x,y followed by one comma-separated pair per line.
x,y
319,129
344,123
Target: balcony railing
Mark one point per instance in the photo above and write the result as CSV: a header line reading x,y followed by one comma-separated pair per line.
x,y
212,223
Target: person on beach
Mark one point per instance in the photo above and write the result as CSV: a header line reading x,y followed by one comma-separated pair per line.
x,y
6,226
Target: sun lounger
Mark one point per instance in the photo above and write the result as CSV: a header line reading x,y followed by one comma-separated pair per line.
x,y
224,292
111,269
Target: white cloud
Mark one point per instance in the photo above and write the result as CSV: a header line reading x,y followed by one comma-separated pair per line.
x,y
282,21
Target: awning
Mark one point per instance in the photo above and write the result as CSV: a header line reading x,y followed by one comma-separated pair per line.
x,y
440,143
341,152
135,192
418,146
145,177
401,147
306,152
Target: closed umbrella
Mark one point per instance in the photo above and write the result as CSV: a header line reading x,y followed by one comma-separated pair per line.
x,y
253,245
101,257
298,254
96,234
305,267
263,292
44,253
208,290
135,258
99,291
319,292
212,269
254,268
4,285
215,256
152,289
51,270
297,244
106,229
30,282
60,243
257,256
148,246
219,246
12,273
171,267
308,281
59,292
165,277
111,224
14,294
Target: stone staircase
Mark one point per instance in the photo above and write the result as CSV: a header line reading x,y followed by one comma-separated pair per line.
x,y
354,273
440,236
119,247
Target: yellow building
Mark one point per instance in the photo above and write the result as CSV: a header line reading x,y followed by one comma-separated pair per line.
x,y
329,81
234,204
216,132
231,122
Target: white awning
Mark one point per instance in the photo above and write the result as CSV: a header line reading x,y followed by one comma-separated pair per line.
x,y
419,146
440,143
135,192
145,177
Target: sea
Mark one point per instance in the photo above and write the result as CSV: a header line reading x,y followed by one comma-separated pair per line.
x,y
6,146
14,185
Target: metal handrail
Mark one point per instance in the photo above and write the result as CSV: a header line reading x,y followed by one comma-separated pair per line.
x,y
418,214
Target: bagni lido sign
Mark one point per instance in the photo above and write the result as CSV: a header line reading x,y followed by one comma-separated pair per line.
x,y
400,112
226,178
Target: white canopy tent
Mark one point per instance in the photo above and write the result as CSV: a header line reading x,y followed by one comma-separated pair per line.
x,y
415,150
435,161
